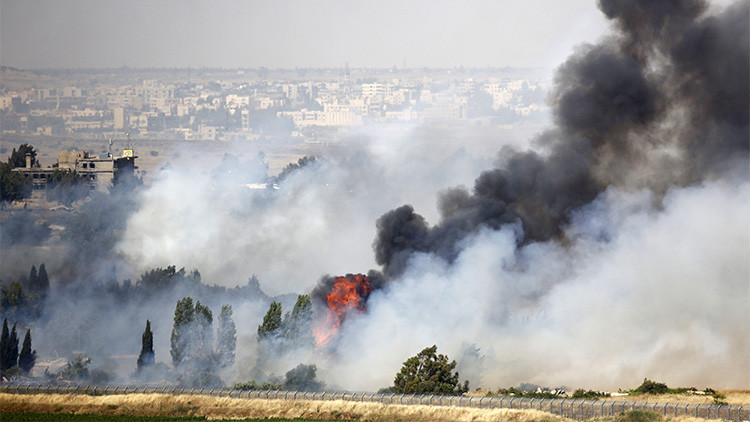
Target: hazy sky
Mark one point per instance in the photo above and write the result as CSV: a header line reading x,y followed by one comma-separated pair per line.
x,y
286,33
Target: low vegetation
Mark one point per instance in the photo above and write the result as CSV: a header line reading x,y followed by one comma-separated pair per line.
x,y
649,387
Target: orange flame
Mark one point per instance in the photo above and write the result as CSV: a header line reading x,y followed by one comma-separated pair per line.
x,y
347,294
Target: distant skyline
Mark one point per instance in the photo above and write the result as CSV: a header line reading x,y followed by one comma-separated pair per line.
x,y
288,34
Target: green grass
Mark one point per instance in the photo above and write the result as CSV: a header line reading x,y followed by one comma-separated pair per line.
x,y
70,417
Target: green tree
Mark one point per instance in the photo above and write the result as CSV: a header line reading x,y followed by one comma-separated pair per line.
x,y
10,347
651,387
297,326
18,158
271,322
27,358
202,331
226,337
13,186
161,278
184,314
43,280
5,347
77,369
146,358
12,299
428,372
302,378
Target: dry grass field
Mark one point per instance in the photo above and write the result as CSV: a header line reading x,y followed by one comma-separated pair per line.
x,y
227,408
216,408
733,397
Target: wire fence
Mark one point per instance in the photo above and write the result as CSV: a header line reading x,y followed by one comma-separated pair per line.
x,y
570,408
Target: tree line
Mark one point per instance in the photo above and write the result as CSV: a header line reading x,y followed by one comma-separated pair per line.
x,y
11,361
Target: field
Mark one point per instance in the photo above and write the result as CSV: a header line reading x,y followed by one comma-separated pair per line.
x,y
732,397
71,417
163,407
226,408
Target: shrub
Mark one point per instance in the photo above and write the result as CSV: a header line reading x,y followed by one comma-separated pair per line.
x,y
651,387
590,394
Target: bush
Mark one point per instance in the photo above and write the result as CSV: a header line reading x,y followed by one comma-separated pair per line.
x,y
428,372
638,416
302,378
252,386
77,369
590,394
651,387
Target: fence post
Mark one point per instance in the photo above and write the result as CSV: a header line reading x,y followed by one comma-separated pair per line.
x,y
739,414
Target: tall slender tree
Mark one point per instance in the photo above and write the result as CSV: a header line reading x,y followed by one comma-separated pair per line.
x,y
5,347
203,334
33,277
226,337
146,358
271,322
43,279
297,326
13,347
184,314
27,358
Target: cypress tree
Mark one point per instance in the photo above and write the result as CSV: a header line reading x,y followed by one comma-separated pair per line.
x,y
27,358
5,347
146,358
33,278
184,314
271,322
297,326
203,334
13,348
226,337
43,279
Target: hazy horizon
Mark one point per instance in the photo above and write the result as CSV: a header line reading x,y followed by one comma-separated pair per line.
x,y
287,34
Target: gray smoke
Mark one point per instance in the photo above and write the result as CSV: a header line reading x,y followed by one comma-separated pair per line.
x,y
663,102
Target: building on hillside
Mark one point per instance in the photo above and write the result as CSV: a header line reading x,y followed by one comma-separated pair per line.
x,y
100,172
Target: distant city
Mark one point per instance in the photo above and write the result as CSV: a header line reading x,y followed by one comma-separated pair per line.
x,y
259,104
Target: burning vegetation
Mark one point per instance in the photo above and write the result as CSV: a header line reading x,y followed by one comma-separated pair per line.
x,y
346,295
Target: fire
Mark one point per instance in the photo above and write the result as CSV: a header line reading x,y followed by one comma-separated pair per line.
x,y
347,294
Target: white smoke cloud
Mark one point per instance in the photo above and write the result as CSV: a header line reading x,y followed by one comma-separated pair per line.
x,y
644,289
320,221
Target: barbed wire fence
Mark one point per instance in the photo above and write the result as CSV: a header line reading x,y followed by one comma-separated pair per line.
x,y
578,409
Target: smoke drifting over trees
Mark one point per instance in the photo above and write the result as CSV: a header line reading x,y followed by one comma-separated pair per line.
x,y
628,216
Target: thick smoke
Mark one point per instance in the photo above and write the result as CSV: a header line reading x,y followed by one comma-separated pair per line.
x,y
651,107
619,246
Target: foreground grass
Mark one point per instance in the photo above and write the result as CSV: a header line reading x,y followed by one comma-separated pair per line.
x,y
71,417
212,408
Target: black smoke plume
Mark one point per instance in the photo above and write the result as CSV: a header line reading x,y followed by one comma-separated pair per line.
x,y
663,102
